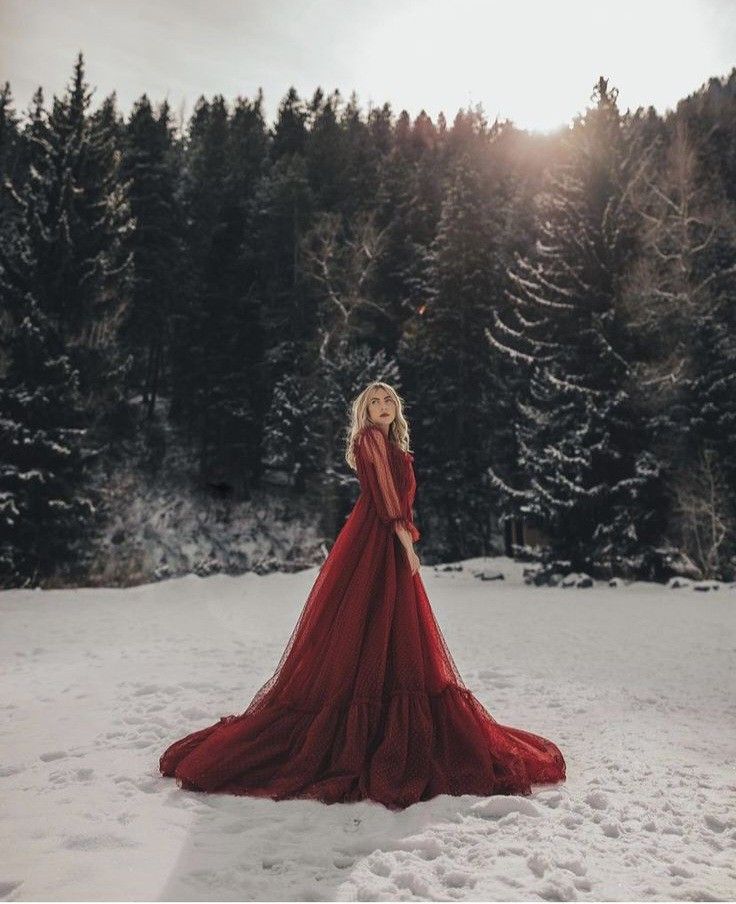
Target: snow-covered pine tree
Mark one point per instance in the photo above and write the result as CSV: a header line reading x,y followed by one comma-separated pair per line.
x,y
308,410
292,436
46,512
9,142
680,303
279,215
216,350
11,147
709,120
408,206
453,385
68,244
363,150
711,394
17,263
150,168
583,448
202,195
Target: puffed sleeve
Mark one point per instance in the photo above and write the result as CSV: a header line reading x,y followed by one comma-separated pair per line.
x,y
374,450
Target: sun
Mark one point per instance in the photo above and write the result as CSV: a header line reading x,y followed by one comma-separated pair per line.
x,y
533,62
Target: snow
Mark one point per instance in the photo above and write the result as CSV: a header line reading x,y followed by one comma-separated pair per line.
x,y
163,528
634,682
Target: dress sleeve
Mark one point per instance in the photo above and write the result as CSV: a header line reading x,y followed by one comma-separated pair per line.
x,y
381,483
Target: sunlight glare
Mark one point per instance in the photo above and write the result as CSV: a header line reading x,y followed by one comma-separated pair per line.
x,y
530,61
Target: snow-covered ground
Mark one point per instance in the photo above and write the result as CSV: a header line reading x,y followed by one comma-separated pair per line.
x,y
163,527
636,685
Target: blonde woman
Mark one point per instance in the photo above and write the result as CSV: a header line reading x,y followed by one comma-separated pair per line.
x,y
366,701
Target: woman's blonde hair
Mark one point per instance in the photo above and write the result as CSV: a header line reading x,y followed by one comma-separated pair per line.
x,y
398,431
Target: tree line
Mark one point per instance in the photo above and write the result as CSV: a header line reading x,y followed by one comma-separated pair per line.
x,y
556,310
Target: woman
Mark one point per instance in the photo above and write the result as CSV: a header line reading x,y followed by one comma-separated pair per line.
x,y
366,701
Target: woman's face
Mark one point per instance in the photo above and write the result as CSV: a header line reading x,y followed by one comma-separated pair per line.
x,y
381,407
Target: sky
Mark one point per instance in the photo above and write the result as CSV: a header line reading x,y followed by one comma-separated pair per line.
x,y
533,61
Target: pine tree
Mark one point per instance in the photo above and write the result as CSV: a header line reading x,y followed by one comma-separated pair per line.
x,y
149,166
680,305
706,124
217,354
325,152
290,130
292,437
453,383
281,215
68,243
589,473
363,152
46,513
408,207
10,143
10,159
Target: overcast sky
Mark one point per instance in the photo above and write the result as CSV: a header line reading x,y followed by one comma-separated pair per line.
x,y
533,61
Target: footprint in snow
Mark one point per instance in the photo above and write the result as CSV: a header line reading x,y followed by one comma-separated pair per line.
x,y
53,755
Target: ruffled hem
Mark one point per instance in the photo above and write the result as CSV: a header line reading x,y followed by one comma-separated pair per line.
x,y
405,747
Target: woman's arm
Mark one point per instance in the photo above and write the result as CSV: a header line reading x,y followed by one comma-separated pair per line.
x,y
383,490
407,541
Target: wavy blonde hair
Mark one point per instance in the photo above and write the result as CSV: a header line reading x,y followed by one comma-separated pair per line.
x,y
398,431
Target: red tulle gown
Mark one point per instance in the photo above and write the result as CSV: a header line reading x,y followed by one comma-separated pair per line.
x,y
366,701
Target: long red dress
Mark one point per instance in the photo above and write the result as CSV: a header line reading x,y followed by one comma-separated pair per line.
x,y
366,701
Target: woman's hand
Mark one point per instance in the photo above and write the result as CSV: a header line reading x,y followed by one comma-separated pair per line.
x,y
406,542
414,562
